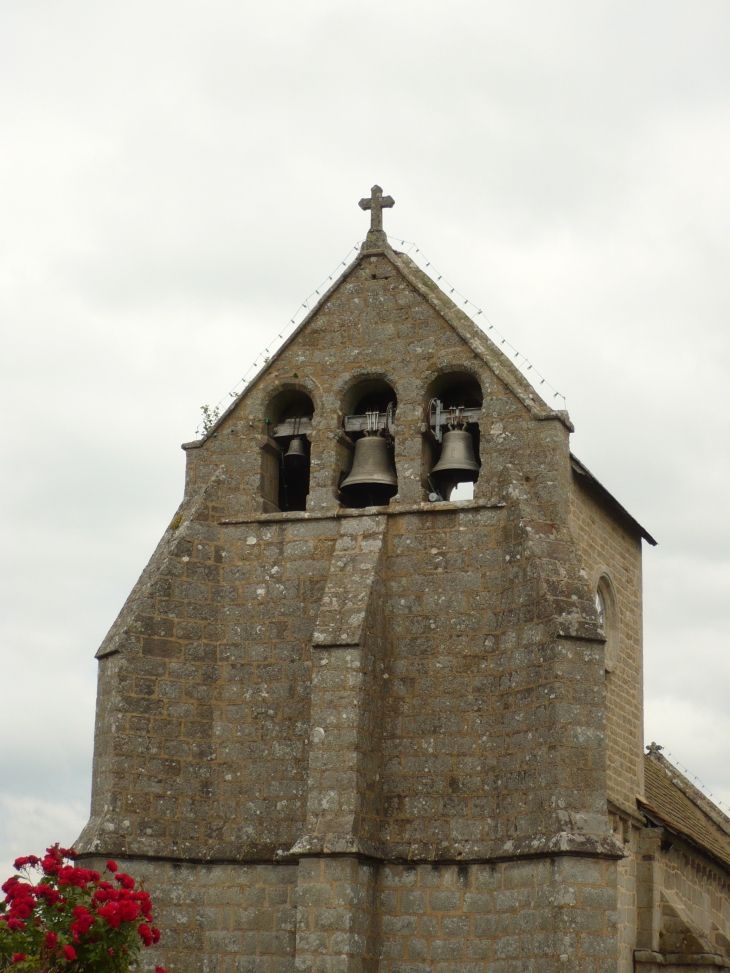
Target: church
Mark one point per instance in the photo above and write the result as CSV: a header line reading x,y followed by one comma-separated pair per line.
x,y
375,704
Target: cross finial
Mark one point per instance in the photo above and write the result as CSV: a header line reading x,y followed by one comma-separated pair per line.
x,y
376,203
654,747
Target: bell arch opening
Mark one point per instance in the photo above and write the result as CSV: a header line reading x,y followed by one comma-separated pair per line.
x,y
451,444
286,458
371,479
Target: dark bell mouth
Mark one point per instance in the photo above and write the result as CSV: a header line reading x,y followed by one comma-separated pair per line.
x,y
369,494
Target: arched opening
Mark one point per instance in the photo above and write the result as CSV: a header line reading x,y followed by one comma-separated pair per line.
x,y
285,478
608,619
371,479
369,395
451,449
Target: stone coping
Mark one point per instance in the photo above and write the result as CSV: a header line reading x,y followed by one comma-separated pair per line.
x,y
391,510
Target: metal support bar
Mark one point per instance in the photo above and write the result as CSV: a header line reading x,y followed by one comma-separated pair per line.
x,y
360,423
440,417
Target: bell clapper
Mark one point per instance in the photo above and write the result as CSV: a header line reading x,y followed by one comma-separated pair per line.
x,y
434,494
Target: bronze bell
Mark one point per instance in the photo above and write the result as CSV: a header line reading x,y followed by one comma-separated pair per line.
x,y
295,457
372,478
457,463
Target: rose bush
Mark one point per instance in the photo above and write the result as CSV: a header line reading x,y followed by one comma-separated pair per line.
x,y
70,919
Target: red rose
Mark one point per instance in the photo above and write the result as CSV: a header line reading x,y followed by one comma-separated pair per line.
x,y
128,911
53,860
51,940
125,880
18,957
70,953
155,935
15,925
82,925
111,866
146,934
160,969
110,912
46,892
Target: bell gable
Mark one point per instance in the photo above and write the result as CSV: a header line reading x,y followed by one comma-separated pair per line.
x,y
383,325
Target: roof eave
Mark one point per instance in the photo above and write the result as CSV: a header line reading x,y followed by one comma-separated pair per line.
x,y
652,813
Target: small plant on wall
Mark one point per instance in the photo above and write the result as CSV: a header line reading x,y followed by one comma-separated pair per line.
x,y
211,415
57,917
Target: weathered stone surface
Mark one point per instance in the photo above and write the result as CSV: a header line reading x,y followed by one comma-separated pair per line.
x,y
378,739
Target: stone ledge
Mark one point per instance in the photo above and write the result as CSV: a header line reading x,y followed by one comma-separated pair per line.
x,y
575,627
335,844
391,511
569,844
681,960
574,844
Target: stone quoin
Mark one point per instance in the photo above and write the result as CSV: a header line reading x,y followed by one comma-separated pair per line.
x,y
376,727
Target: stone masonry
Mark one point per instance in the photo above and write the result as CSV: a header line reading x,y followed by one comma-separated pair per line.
x,y
379,739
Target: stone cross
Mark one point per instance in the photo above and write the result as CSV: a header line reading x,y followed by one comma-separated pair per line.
x,y
376,203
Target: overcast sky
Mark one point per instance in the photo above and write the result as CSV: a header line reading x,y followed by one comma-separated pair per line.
x,y
177,177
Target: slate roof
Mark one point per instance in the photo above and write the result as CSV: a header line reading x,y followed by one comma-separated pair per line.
x,y
675,802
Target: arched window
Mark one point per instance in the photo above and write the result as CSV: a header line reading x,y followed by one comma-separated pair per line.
x,y
371,479
608,619
285,463
451,451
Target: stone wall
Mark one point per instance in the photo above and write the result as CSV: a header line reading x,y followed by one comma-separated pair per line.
x,y
684,898
323,914
628,831
223,918
491,730
542,915
607,548
203,727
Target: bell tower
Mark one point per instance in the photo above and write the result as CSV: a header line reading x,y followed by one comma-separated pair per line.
x,y
346,721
